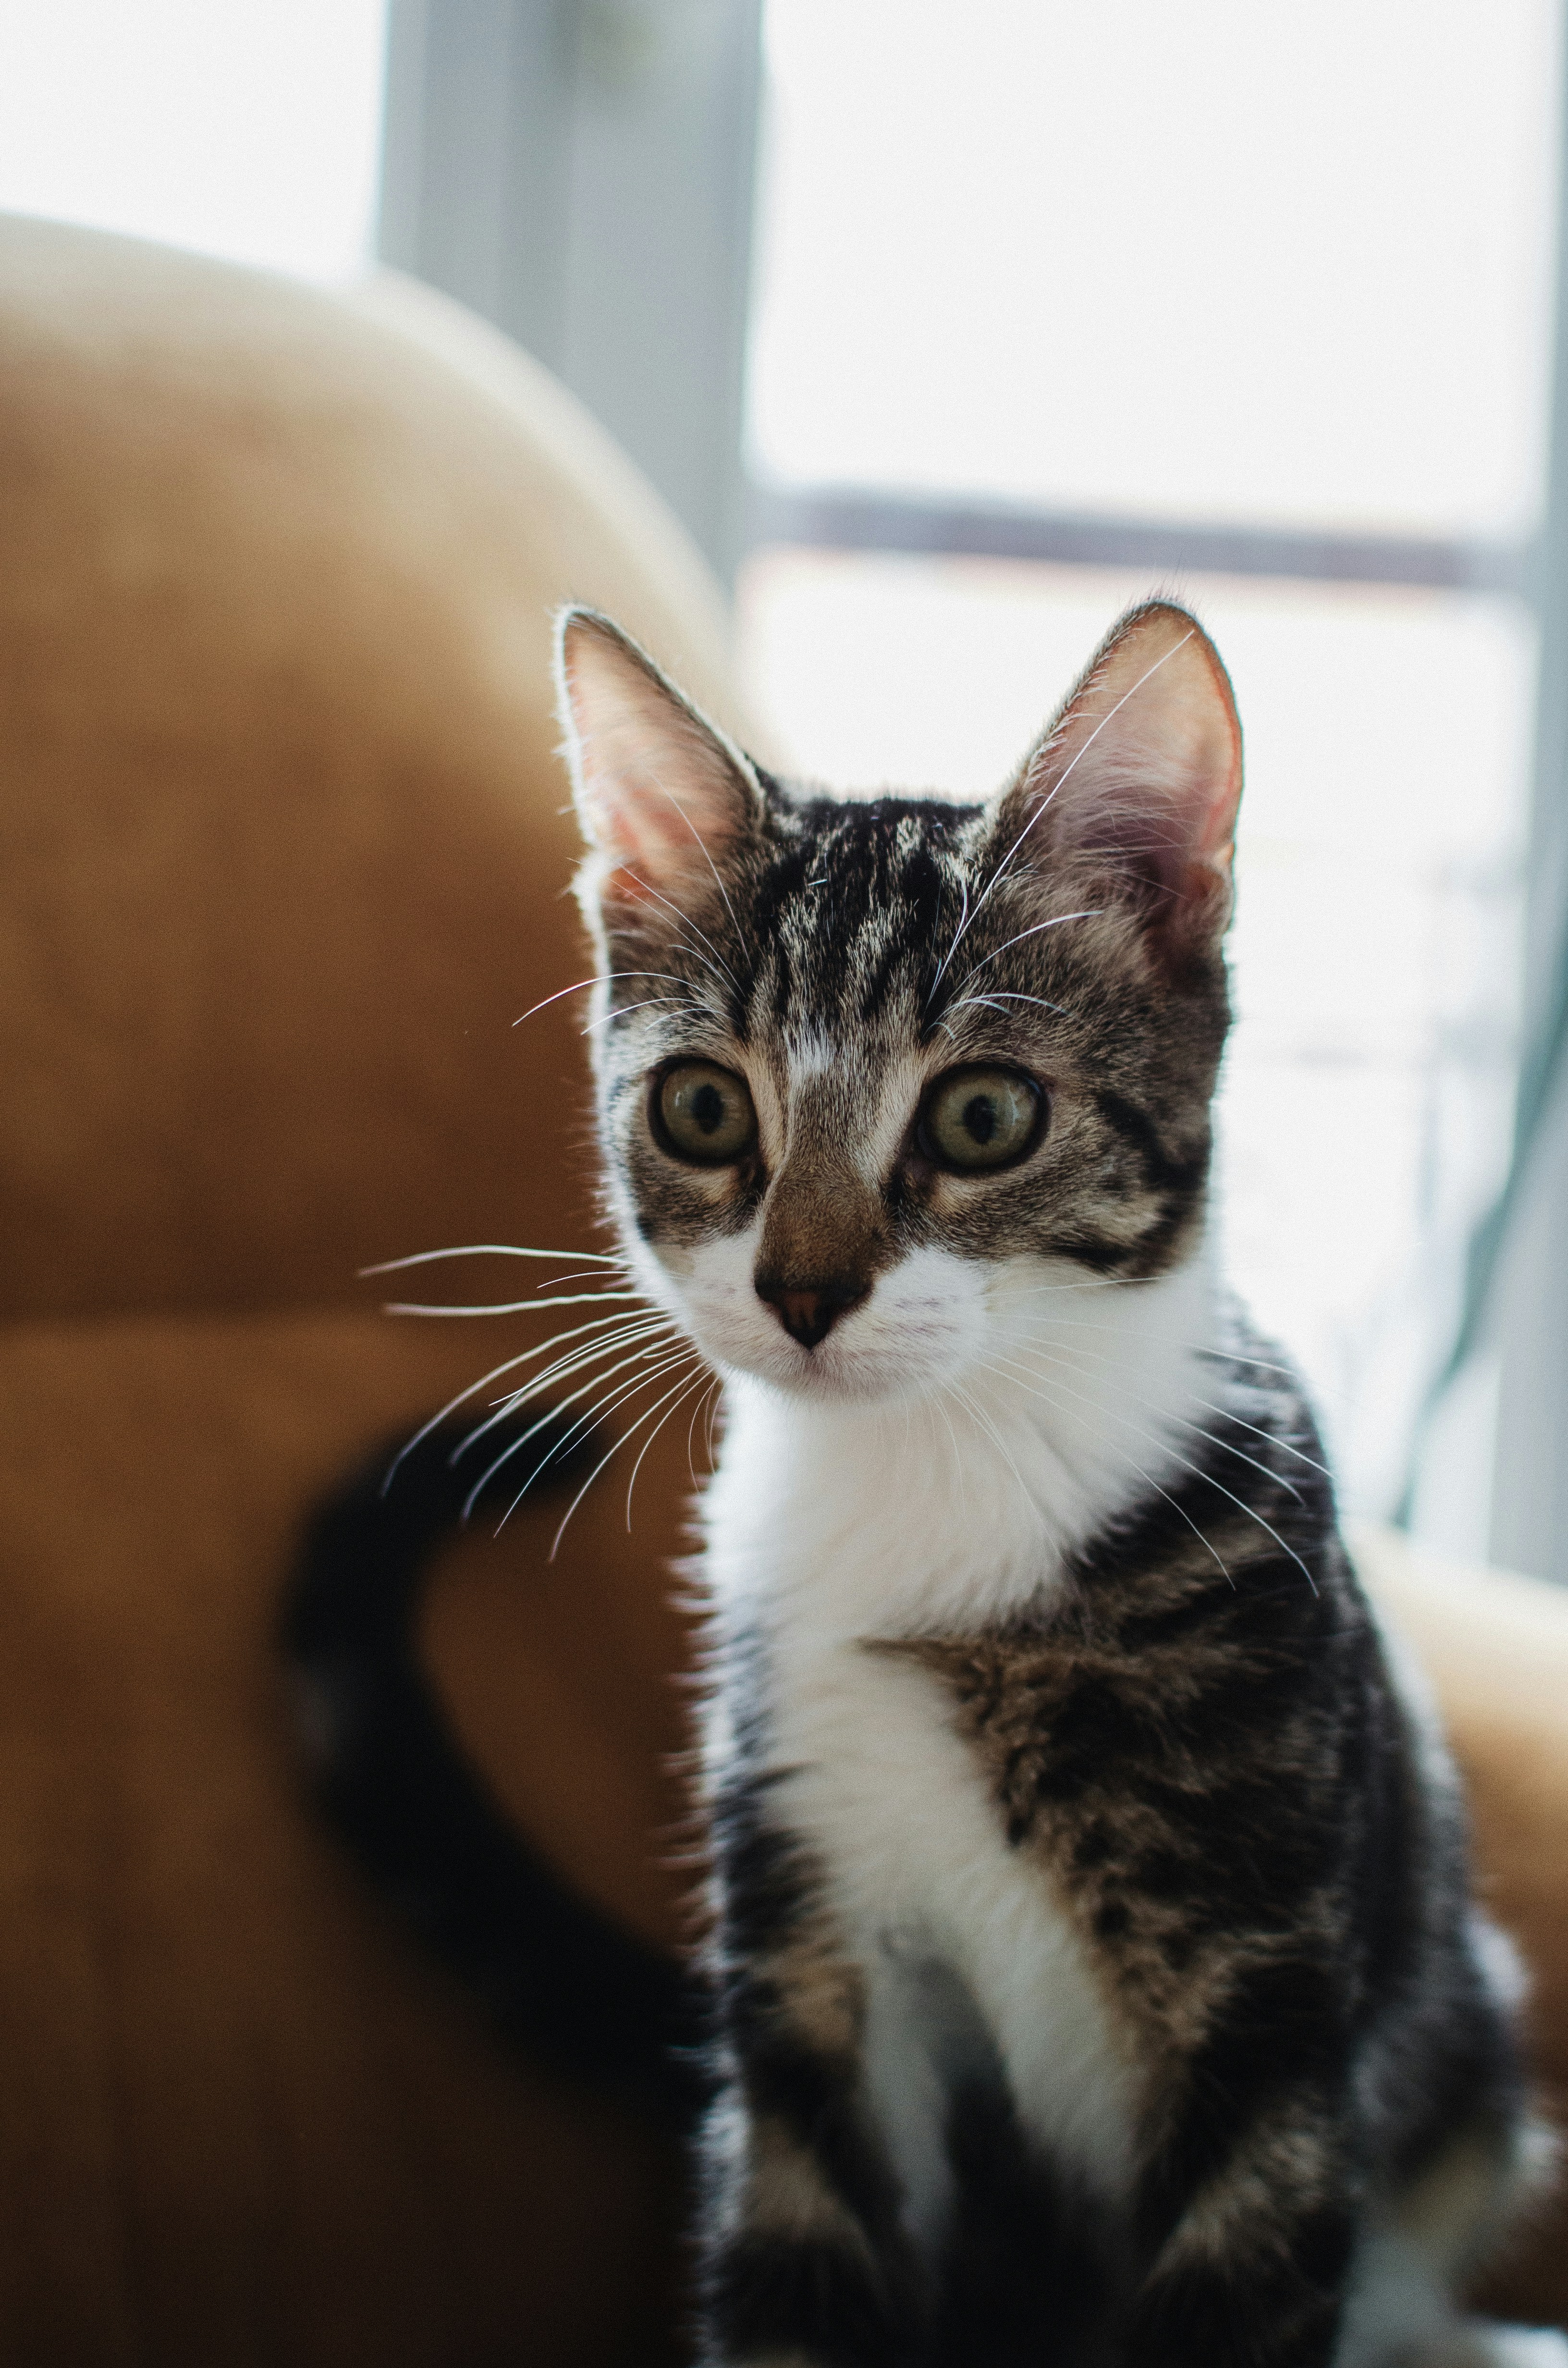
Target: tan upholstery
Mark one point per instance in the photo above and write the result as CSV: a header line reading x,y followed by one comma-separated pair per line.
x,y
281,858
283,830
1496,1647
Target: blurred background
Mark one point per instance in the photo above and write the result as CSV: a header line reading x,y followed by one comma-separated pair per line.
x,y
947,331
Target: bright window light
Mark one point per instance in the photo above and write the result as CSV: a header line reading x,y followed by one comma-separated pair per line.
x,y
1369,1085
249,129
1288,264
1248,268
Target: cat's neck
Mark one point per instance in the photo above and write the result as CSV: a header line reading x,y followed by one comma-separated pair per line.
x,y
956,1510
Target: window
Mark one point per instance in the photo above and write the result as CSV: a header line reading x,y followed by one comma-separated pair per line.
x,y
1127,298
243,127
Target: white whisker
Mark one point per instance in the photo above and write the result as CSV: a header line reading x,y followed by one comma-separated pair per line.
x,y
1047,1398
600,978
606,1458
1060,921
489,1249
623,1010
702,1404
506,1306
575,1429
1091,1283
562,1366
702,843
963,922
652,1435
958,1460
994,1003
1195,1348
633,1333
675,1361
1207,1477
979,1416
643,1339
1224,1446
688,923
1210,1406
515,1402
559,1282
507,1365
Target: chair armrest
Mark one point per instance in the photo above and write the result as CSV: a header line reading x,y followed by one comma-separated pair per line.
x,y
1495,1646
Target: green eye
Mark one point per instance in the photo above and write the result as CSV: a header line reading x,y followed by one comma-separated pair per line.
x,y
978,1117
704,1114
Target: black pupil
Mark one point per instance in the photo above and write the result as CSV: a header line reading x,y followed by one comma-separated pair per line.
x,y
708,1108
979,1117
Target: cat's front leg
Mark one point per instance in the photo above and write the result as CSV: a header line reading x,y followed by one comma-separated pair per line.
x,y
1251,2217
802,2258
793,2273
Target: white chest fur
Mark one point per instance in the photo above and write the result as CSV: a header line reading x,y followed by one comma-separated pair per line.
x,y
921,1878
831,1525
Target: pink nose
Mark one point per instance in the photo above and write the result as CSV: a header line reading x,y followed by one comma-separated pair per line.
x,y
809,1311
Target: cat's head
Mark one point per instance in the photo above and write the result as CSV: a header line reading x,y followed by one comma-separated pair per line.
x,y
867,1066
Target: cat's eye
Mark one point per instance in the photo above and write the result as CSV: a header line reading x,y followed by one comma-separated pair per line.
x,y
979,1117
704,1114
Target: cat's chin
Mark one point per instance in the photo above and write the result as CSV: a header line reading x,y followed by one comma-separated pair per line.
x,y
830,1376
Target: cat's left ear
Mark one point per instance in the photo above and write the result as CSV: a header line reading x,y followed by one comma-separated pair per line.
x,y
663,795
1140,775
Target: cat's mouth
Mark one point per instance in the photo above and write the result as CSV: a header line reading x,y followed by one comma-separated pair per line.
x,y
839,1369
907,1333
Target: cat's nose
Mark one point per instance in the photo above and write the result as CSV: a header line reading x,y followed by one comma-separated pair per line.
x,y
808,1311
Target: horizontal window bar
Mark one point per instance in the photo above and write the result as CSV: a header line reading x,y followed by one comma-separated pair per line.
x,y
860,518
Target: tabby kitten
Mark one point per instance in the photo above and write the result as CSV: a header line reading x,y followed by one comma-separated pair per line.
x,y
1097,1977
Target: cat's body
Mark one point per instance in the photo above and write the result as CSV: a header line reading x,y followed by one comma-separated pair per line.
x,y
1097,1979
1051,1868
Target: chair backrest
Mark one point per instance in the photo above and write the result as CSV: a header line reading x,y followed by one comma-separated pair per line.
x,y
282,856
282,851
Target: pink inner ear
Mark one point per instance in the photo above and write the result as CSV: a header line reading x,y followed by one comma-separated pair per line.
x,y
661,794
634,810
1144,766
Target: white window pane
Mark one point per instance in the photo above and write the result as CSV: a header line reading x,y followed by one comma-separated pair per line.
x,y
1368,1093
1288,265
243,127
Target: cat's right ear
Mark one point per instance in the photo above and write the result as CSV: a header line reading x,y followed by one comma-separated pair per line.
x,y
1140,776
663,795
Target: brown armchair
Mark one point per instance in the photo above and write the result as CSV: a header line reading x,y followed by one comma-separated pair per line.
x,y
284,859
